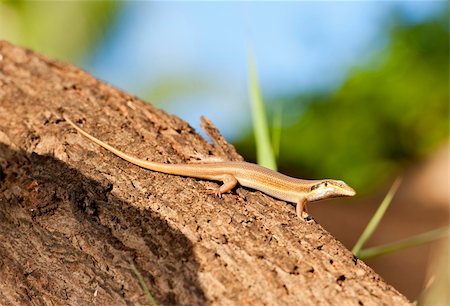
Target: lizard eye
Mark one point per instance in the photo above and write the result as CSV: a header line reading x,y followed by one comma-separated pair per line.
x,y
325,184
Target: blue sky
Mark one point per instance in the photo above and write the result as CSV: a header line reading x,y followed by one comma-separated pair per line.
x,y
202,48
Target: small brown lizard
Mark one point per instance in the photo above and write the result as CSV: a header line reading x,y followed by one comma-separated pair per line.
x,y
273,183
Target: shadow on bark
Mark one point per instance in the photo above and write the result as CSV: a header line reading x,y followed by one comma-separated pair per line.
x,y
66,239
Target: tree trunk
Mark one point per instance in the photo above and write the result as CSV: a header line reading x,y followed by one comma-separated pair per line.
x,y
75,219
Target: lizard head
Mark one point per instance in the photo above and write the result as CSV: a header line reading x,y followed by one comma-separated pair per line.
x,y
325,189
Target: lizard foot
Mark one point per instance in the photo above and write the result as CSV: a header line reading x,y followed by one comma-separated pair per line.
x,y
214,191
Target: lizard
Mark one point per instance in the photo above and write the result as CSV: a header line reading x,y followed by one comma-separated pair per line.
x,y
230,173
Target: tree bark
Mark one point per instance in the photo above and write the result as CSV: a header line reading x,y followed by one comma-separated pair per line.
x,y
75,219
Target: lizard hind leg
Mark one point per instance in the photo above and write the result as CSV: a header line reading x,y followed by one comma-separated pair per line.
x,y
229,182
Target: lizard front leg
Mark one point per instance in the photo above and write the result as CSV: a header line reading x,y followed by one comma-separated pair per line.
x,y
229,182
301,209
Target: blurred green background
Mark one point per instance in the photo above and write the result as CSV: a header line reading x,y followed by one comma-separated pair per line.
x,y
363,89
388,113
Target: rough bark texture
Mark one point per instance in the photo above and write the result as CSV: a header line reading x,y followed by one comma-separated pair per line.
x,y
74,217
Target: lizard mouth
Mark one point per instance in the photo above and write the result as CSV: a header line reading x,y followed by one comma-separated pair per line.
x,y
348,192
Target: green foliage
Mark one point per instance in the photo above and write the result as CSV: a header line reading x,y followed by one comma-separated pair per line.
x,y
410,242
62,29
264,152
376,218
384,115
277,123
413,241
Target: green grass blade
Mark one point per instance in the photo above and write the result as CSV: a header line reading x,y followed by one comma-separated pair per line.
x,y
404,244
373,224
276,130
143,285
264,153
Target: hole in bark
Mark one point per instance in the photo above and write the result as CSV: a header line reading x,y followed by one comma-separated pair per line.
x,y
340,279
